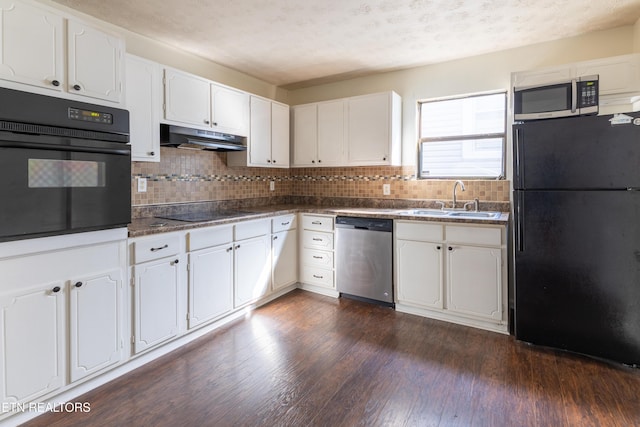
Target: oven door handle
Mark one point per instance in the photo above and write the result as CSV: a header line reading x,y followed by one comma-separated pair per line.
x,y
37,146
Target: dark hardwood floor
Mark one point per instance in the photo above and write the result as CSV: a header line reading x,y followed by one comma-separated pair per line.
x,y
309,360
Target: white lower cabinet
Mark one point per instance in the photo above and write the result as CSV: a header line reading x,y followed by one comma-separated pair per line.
x,y
317,254
95,323
284,251
61,315
210,283
252,270
32,342
156,302
452,272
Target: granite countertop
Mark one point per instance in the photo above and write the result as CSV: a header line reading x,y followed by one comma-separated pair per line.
x,y
153,225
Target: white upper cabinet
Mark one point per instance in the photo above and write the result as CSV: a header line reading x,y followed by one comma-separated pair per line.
x,y
25,28
229,110
143,99
319,133
268,142
358,131
92,65
196,101
187,98
373,129
95,62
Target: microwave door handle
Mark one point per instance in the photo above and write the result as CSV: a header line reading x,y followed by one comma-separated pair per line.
x,y
574,95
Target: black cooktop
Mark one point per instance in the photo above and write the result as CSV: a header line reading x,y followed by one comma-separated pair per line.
x,y
203,216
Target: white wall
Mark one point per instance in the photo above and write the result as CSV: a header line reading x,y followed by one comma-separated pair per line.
x,y
470,75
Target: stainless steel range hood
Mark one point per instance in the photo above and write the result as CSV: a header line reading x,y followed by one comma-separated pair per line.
x,y
198,139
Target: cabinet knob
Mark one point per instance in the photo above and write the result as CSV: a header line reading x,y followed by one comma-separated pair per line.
x,y
438,247
319,161
268,161
384,159
176,261
450,248
55,83
152,153
215,123
273,161
78,284
237,246
56,289
275,237
206,122
229,249
313,161
77,87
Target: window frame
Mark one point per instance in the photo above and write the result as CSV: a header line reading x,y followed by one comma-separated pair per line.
x,y
422,140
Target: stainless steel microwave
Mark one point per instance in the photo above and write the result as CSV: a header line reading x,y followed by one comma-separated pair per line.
x,y
575,97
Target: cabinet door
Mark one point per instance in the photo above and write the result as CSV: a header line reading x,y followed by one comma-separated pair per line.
x,y
331,133
279,135
542,77
252,269
210,283
285,258
95,323
617,75
260,132
31,45
369,137
305,135
229,110
474,284
419,273
31,357
155,302
143,92
94,62
187,98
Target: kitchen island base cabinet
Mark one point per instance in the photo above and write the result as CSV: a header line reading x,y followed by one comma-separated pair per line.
x,y
452,272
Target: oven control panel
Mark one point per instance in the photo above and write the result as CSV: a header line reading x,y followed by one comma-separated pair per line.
x,y
90,116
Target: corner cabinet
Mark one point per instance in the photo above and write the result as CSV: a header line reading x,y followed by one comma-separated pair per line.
x,y
452,272
358,131
143,100
91,65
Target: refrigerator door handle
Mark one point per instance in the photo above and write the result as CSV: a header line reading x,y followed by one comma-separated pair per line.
x,y
518,168
519,214
574,95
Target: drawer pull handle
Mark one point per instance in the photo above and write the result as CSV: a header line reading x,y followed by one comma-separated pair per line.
x,y
318,257
286,223
317,223
316,239
318,277
159,249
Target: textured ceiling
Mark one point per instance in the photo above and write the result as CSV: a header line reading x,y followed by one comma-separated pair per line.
x,y
297,42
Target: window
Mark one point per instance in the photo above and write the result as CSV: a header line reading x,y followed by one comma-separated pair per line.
x,y
462,137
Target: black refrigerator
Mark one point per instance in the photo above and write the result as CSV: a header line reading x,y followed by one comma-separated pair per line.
x,y
577,235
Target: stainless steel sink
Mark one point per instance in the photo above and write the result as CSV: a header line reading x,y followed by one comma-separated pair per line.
x,y
468,214
428,212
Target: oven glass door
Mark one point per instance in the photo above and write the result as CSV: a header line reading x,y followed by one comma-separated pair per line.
x,y
74,186
544,102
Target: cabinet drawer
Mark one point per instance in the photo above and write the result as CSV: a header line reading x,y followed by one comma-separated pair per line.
x,y
249,229
323,259
283,223
317,276
155,248
317,222
474,235
209,237
420,231
317,240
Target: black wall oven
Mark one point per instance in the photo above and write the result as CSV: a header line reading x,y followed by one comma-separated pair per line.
x,y
65,166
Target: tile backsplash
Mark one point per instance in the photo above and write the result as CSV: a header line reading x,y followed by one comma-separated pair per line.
x,y
192,176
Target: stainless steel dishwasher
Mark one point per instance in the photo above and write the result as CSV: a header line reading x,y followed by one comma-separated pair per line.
x,y
364,258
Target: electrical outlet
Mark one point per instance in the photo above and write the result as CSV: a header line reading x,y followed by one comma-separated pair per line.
x,y
272,185
386,189
142,185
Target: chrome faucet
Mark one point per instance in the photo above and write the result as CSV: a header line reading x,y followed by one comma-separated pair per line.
x,y
455,187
